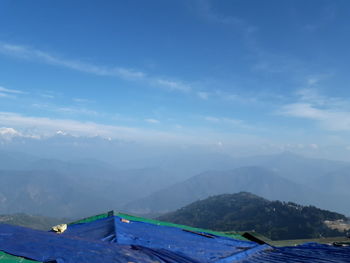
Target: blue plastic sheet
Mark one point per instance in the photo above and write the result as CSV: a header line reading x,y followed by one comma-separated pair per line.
x,y
203,248
115,240
49,247
308,253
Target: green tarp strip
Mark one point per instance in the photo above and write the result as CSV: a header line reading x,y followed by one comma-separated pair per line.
x,y
7,258
159,223
93,218
194,229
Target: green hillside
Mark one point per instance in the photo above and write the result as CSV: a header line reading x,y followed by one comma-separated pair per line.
x,y
247,212
31,221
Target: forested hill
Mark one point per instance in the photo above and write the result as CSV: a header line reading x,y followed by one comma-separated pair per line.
x,y
246,212
32,221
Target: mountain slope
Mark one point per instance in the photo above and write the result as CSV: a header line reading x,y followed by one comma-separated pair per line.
x,y
65,192
247,212
335,182
31,221
293,167
258,180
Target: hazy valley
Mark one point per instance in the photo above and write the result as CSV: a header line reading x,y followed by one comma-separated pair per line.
x,y
72,186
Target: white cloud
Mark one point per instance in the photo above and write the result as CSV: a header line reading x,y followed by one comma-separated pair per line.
x,y
28,53
11,91
312,81
315,79
48,96
203,95
171,85
312,96
42,126
49,126
314,146
228,121
246,98
70,110
329,119
35,54
331,113
153,121
212,119
80,100
206,11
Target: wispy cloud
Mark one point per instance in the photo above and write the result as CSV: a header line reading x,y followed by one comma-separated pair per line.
x,y
315,79
49,126
329,119
228,121
81,100
313,97
72,110
45,57
203,95
37,55
330,113
47,96
9,93
206,10
171,85
41,127
66,110
152,121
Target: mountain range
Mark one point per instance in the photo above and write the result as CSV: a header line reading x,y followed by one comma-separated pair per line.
x,y
85,186
247,212
258,180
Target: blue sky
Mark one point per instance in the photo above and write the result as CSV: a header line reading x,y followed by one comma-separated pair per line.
x,y
262,73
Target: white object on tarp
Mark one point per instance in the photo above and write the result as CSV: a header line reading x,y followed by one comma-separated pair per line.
x,y
59,228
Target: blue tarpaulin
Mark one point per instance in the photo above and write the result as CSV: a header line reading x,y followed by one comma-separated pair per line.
x,y
114,239
205,248
309,252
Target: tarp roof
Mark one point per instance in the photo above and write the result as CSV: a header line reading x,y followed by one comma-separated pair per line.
x,y
114,237
159,223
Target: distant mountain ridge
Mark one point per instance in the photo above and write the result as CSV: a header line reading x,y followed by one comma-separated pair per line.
x,y
70,193
80,187
247,212
258,180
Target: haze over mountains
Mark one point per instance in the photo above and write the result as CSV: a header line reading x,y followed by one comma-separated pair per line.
x,y
258,180
247,212
70,177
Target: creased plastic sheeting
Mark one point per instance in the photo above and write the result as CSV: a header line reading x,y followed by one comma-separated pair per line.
x,y
190,228
102,229
203,248
309,252
47,246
